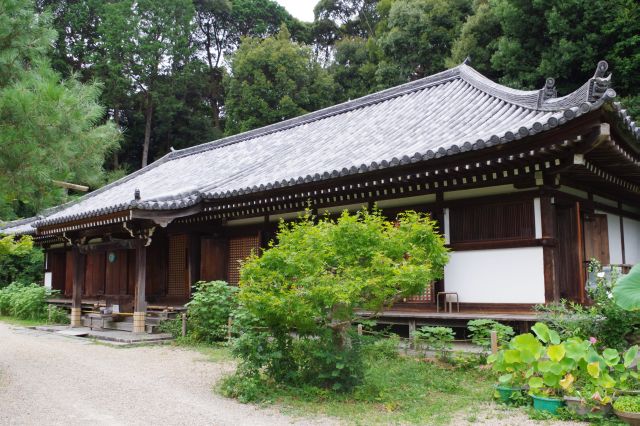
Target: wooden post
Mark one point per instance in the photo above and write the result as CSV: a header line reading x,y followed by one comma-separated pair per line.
x,y
359,329
140,304
78,284
229,324
184,325
494,342
412,331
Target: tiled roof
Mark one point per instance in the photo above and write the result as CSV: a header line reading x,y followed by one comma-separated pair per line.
x,y
450,112
19,227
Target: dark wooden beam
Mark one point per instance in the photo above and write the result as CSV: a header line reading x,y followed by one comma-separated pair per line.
x,y
140,301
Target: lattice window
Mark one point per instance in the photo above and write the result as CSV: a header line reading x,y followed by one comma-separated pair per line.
x,y
177,273
239,249
425,297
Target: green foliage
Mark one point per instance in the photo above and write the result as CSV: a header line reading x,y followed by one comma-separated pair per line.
x,y
271,80
300,297
627,290
437,339
394,389
20,261
551,366
57,315
209,311
49,126
480,332
627,404
612,325
27,302
416,35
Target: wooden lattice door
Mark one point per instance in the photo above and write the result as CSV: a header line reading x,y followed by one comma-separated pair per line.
x,y
239,249
178,279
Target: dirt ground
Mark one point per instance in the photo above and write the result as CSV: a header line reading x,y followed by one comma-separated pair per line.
x,y
54,380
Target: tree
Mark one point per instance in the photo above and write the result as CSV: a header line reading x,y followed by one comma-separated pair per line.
x,y
354,68
416,36
20,261
49,126
319,274
272,80
478,39
145,40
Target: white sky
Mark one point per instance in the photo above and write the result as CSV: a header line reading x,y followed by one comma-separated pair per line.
x,y
301,9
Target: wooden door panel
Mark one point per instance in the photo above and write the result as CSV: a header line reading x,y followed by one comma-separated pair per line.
x,y
213,258
116,273
596,238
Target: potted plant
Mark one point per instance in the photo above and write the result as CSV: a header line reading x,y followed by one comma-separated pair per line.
x,y
627,408
627,377
592,387
514,362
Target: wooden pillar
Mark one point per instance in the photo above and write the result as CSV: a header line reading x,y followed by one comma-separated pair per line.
x,y
549,248
140,303
78,284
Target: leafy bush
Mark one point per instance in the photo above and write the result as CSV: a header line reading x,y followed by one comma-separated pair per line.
x,y
209,311
57,315
480,332
301,296
627,404
613,326
437,339
24,301
172,326
20,261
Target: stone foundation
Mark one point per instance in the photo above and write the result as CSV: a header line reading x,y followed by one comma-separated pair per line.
x,y
139,322
76,317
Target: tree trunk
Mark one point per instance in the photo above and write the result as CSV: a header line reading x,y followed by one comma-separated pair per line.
x,y
116,119
148,115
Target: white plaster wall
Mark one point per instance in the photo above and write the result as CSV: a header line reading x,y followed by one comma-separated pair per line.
x,y
631,240
514,275
615,239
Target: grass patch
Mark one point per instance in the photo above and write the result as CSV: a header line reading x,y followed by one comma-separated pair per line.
x,y
22,322
215,352
401,390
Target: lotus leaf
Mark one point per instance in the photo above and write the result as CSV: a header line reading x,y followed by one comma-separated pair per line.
x,y
593,368
630,355
567,381
512,356
536,382
529,347
611,356
557,352
627,290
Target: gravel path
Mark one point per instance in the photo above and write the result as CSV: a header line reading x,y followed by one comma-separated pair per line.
x,y
54,380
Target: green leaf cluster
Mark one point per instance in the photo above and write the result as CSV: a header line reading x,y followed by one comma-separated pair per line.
x,y
209,310
20,261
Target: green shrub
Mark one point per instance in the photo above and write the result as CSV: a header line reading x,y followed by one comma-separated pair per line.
x,y
172,326
480,332
20,261
380,348
57,315
627,404
28,302
304,293
209,311
613,326
437,339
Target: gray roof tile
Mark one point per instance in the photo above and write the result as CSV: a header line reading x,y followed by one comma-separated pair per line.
x,y
450,112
